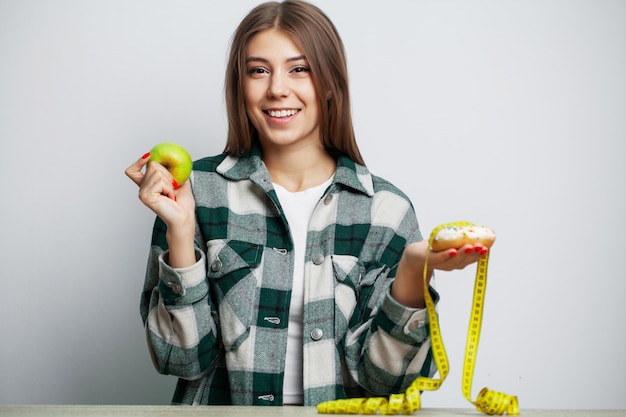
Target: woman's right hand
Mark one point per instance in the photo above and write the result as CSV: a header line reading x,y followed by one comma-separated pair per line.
x,y
174,204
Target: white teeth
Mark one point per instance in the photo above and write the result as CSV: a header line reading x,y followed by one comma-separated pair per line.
x,y
282,113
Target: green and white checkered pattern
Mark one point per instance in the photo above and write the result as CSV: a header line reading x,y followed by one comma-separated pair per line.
x,y
221,324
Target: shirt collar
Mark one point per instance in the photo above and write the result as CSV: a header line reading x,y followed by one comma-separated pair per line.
x,y
251,166
353,175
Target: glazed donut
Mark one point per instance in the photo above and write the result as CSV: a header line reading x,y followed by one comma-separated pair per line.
x,y
455,236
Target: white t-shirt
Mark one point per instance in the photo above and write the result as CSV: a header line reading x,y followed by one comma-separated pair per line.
x,y
298,207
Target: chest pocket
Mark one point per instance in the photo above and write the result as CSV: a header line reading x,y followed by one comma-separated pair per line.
x,y
358,287
231,265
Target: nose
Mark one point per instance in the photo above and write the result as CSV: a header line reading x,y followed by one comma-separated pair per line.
x,y
278,86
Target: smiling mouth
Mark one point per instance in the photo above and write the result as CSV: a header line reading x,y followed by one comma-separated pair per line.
x,y
281,113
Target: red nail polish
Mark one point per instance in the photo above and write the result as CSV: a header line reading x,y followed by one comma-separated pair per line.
x,y
478,249
175,199
175,184
146,155
484,251
453,252
469,250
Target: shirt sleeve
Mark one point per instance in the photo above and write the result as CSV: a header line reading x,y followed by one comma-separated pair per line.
x,y
394,341
179,317
393,346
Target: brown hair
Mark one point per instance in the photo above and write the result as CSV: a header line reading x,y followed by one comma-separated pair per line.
x,y
318,38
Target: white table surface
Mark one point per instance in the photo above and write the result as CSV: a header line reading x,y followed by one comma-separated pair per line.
x,y
231,411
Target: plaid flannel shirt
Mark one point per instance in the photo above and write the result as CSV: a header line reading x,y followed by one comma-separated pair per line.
x,y
221,324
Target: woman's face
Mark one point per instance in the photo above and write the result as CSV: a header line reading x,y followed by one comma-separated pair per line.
x,y
281,100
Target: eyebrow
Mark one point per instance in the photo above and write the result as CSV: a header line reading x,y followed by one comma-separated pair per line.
x,y
259,59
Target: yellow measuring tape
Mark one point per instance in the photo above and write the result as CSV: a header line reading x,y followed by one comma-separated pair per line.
x,y
487,401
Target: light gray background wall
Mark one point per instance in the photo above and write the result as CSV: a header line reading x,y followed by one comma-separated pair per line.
x,y
506,113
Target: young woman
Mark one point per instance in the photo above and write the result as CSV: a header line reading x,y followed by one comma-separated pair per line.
x,y
284,272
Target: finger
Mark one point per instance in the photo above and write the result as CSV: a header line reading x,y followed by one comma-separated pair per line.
x,y
482,250
451,259
167,182
170,190
134,171
157,183
444,257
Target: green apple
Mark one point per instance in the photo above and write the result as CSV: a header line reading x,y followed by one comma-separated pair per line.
x,y
174,158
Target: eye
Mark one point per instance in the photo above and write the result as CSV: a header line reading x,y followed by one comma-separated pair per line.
x,y
301,70
257,71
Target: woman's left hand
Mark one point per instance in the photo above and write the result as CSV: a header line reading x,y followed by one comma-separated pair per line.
x,y
408,287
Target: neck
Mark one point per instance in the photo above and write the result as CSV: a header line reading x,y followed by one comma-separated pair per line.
x,y
299,169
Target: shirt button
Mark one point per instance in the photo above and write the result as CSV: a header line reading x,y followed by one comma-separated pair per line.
x,y
318,259
328,199
216,265
176,288
316,334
